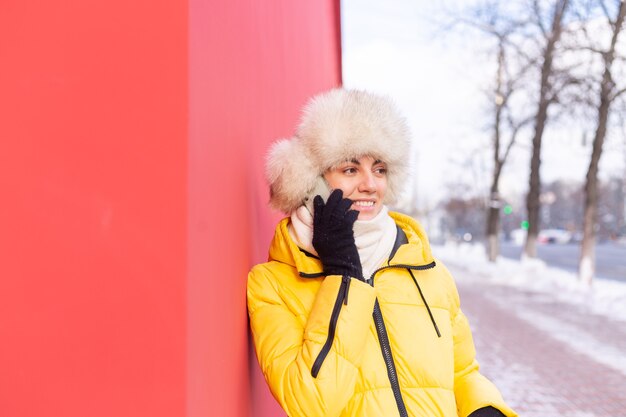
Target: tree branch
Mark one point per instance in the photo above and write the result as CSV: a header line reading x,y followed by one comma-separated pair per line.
x,y
516,129
587,48
539,21
607,14
618,93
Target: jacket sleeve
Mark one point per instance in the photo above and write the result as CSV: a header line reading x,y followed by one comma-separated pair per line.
x,y
472,390
288,346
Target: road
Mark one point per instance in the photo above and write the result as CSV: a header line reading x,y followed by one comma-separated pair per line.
x,y
610,258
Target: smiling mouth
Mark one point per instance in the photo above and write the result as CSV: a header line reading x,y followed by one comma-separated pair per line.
x,y
364,204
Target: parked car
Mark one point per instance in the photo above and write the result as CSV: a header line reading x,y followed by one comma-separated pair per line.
x,y
558,236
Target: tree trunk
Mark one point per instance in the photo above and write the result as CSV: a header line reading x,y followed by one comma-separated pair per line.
x,y
534,189
493,208
495,202
493,213
493,228
586,268
587,264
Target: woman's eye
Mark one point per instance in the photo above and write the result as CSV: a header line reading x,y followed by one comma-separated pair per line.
x,y
381,171
349,170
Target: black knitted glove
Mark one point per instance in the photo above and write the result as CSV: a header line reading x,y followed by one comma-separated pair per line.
x,y
487,412
333,238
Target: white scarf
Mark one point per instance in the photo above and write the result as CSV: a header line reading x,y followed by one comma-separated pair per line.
x,y
301,229
374,238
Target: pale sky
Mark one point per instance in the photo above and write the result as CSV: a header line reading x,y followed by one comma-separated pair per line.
x,y
437,78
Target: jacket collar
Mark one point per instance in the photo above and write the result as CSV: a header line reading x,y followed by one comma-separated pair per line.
x,y
283,249
401,239
417,251
411,247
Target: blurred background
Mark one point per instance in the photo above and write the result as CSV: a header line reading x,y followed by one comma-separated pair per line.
x,y
518,111
132,143
468,75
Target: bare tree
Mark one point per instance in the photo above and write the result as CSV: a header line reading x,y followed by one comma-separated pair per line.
x,y
512,65
506,86
547,96
608,93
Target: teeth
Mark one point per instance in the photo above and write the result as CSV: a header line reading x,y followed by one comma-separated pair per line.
x,y
364,203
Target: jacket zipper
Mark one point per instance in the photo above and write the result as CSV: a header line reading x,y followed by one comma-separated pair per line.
x,y
342,297
401,266
383,339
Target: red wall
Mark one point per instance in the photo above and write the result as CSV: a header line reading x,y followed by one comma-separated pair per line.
x,y
132,136
253,66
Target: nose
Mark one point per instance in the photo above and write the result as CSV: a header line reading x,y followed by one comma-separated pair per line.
x,y
367,183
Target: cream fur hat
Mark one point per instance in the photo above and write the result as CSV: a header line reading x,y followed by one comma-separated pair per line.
x,y
337,126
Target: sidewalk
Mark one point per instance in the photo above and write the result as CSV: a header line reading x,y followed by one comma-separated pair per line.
x,y
549,358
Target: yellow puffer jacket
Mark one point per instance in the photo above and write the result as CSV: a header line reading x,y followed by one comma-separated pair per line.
x,y
341,347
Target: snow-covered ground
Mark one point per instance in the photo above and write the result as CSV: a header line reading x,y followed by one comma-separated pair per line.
x,y
604,297
553,346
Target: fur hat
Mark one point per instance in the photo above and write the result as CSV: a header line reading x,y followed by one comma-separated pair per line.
x,y
337,126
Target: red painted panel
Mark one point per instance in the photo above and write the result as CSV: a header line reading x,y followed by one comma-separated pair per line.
x,y
93,216
132,136
252,66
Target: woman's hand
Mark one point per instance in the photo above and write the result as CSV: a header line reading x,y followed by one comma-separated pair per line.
x,y
333,237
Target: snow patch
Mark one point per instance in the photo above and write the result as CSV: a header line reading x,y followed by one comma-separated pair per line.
x,y
603,297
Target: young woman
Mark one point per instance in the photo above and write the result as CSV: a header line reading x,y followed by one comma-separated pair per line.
x,y
352,315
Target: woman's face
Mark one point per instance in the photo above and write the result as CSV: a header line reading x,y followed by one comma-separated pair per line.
x,y
364,181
